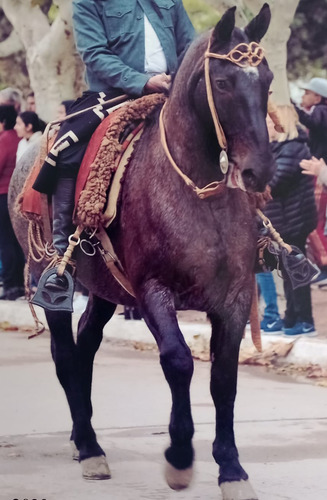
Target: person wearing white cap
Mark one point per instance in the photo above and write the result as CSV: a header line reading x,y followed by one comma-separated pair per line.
x,y
313,115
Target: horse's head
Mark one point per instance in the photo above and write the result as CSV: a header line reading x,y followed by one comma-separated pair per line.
x,y
239,86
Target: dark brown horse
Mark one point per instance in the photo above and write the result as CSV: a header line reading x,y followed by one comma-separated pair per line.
x,y
180,251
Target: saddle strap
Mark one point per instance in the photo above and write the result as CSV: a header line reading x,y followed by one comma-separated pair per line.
x,y
112,262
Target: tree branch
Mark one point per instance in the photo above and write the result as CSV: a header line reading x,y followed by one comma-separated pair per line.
x,y
27,20
11,45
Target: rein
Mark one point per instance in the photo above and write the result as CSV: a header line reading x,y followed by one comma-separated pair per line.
x,y
242,55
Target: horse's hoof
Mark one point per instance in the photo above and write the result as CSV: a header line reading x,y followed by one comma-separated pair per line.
x,y
95,468
178,479
75,452
238,490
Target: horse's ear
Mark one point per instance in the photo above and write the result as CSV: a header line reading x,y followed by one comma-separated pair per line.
x,y
257,28
224,28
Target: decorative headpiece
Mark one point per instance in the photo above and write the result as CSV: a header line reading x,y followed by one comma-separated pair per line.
x,y
244,54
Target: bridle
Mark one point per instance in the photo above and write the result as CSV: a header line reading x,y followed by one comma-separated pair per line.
x,y
242,55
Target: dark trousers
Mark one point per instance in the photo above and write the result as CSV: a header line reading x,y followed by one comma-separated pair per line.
x,y
12,256
65,156
298,301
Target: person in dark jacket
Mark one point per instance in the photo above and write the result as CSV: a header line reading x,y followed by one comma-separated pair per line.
x,y
292,212
313,115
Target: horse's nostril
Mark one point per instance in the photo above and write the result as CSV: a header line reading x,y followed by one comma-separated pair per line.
x,y
249,178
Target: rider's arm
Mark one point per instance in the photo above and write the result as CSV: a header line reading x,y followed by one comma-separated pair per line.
x,y
93,45
184,30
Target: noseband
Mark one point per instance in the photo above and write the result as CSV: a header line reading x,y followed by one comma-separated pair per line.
x,y
242,55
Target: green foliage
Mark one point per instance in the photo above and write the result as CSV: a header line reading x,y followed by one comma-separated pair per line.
x,y
48,7
52,14
202,15
307,46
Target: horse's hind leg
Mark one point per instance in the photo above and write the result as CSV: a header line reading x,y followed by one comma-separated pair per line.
x,y
74,370
177,364
225,343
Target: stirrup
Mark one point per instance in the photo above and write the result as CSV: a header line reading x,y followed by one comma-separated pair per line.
x,y
54,300
298,268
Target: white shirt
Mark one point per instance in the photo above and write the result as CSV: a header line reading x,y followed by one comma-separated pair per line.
x,y
24,144
155,60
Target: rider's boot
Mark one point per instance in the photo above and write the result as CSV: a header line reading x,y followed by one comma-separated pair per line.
x,y
62,209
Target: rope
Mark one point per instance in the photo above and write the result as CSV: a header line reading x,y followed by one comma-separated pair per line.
x,y
274,234
39,327
218,127
74,240
121,98
211,189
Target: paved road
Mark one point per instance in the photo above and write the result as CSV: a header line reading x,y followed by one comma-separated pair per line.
x,y
281,429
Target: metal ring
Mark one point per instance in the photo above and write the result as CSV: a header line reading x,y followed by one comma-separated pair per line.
x,y
91,245
50,252
72,239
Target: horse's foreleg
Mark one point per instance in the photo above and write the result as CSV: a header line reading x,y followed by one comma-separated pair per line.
x,y
225,343
66,354
89,338
177,364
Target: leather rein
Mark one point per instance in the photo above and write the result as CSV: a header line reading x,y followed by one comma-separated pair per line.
x,y
242,55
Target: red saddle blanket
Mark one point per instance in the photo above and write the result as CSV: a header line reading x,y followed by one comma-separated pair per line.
x,y
31,199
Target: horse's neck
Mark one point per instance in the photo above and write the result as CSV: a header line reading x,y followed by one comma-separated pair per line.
x,y
193,147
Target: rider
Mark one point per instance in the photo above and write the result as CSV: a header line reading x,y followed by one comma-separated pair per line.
x,y
128,48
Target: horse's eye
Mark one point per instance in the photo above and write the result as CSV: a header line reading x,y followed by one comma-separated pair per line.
x,y
221,84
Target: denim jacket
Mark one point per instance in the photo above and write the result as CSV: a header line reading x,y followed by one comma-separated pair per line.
x,y
109,36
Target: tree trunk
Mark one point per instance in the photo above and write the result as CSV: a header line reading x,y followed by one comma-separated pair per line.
x,y
51,59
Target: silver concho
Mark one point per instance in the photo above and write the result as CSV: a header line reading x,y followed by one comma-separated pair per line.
x,y
223,161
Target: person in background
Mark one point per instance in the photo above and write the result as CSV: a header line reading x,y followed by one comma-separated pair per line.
x,y
313,115
271,322
11,253
292,211
317,242
63,108
29,129
11,97
30,102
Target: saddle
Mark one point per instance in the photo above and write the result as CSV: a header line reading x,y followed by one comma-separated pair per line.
x,y
101,172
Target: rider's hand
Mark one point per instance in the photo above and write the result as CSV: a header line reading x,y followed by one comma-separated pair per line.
x,y
158,83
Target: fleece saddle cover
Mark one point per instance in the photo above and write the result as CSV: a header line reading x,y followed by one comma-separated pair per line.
x,y
111,145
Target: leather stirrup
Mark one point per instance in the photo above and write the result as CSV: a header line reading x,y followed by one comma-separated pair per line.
x,y
54,300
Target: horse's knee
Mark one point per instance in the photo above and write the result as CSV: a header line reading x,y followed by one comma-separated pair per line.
x,y
177,363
